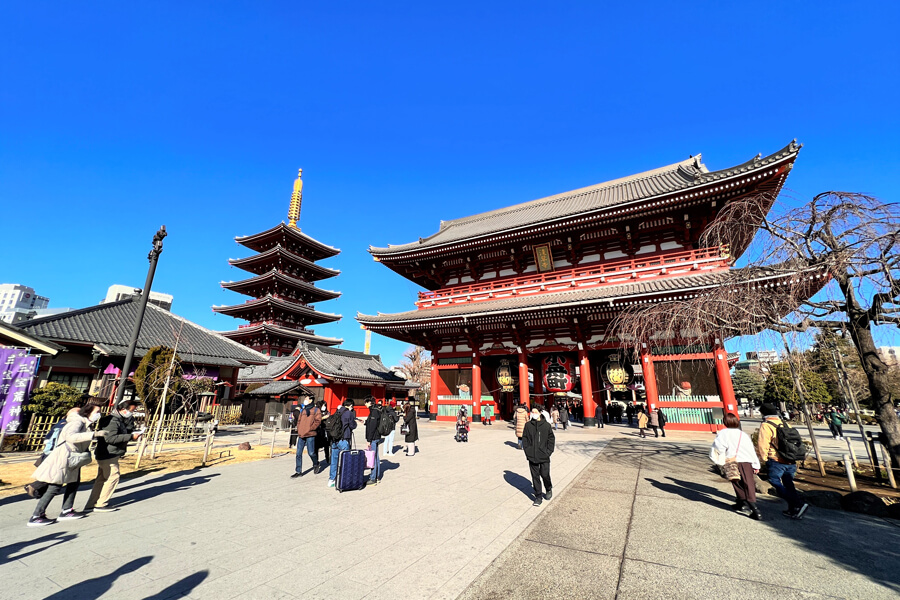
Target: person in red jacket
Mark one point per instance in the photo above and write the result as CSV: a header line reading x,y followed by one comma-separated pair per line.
x,y
307,425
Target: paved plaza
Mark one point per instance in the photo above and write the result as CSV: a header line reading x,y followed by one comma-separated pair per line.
x,y
630,518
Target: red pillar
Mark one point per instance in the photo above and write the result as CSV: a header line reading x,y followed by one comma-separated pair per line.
x,y
649,380
432,399
539,390
587,389
523,379
476,387
723,375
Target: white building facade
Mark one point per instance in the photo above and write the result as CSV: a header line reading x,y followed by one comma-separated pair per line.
x,y
18,300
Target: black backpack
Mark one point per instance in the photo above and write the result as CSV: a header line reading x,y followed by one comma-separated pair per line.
x,y
333,426
386,423
789,444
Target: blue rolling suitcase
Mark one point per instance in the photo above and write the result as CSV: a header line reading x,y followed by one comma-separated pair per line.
x,y
351,470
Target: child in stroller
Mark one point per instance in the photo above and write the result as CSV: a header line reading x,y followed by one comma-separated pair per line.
x,y
462,426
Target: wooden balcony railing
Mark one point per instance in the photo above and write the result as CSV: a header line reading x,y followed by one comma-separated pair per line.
x,y
596,275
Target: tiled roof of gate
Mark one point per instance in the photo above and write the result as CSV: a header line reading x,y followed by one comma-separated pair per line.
x,y
685,174
276,388
542,301
347,364
276,366
108,326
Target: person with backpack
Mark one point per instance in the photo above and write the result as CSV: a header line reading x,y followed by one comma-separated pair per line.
x,y
376,422
539,442
781,447
340,428
308,422
62,469
391,411
119,428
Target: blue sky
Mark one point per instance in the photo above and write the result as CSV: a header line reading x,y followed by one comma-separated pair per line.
x,y
117,117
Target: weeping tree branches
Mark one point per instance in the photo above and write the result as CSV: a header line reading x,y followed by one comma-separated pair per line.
x,y
832,264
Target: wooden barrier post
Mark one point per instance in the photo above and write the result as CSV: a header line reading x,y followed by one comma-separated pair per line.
x,y
851,478
889,467
852,453
272,449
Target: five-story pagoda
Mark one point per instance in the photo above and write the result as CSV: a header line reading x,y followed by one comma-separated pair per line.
x,y
282,288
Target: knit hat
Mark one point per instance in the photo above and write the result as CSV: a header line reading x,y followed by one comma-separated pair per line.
x,y
768,409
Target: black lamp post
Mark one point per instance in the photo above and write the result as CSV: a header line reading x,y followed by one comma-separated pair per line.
x,y
145,296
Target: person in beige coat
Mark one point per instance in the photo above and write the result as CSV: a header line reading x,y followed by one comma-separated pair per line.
x,y
521,417
61,471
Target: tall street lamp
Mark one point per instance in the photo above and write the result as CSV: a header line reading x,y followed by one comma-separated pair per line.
x,y
145,296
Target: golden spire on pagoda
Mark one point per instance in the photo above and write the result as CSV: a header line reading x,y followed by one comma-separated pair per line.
x,y
296,200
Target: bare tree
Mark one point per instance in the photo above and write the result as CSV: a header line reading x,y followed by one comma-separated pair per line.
x,y
417,366
841,243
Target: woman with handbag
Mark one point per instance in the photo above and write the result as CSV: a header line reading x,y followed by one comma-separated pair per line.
x,y
733,450
61,471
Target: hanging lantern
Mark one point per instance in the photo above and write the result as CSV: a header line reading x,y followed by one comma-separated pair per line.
x,y
558,374
506,377
617,374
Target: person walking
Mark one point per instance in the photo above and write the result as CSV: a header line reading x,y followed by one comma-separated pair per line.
x,y
836,422
654,422
61,471
642,419
308,422
119,430
373,437
629,412
564,415
391,409
554,417
733,450
322,440
521,417
781,468
294,417
412,429
663,419
347,420
539,442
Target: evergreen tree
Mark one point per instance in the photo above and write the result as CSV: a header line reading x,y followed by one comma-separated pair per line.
x,y
150,377
828,348
54,400
780,387
749,384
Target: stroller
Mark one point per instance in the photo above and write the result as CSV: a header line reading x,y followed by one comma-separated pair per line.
x,y
462,427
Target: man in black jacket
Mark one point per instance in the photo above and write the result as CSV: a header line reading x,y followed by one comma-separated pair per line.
x,y
373,437
538,442
119,428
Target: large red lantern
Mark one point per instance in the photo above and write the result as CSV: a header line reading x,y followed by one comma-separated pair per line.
x,y
559,376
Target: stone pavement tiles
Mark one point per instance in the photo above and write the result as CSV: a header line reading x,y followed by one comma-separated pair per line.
x,y
647,519
435,522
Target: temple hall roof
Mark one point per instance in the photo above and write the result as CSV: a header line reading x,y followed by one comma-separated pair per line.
x,y
336,363
108,327
680,176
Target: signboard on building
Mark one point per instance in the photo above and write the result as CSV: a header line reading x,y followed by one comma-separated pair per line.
x,y
17,371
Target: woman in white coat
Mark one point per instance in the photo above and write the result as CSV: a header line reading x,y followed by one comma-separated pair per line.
x,y
734,446
61,470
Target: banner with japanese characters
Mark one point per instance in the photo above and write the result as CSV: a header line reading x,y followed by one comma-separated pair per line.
x,y
17,370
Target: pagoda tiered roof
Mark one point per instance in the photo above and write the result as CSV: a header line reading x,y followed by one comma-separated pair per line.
x,y
278,333
290,238
267,307
266,284
263,262
657,190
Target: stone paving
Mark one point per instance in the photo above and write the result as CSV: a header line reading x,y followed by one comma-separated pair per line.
x,y
647,519
250,531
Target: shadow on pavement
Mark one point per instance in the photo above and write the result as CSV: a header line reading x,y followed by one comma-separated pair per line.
x,y
520,483
688,492
180,588
14,498
143,482
96,587
8,553
159,490
511,444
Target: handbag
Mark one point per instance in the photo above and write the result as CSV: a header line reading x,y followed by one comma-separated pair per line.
x,y
370,459
79,459
730,468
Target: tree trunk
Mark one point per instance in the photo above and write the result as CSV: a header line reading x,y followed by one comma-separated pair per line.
x,y
860,327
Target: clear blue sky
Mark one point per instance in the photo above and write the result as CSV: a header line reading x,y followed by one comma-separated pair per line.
x,y
118,117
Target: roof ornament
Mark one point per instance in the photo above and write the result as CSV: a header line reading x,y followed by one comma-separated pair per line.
x,y
296,200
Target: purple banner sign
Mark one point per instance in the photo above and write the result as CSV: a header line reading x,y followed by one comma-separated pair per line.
x,y
17,371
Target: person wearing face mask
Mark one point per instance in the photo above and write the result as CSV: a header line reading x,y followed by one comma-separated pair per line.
x,y
61,471
119,429
539,442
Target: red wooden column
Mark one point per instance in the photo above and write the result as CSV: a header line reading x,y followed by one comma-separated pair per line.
x,y
649,380
523,379
432,397
476,387
723,375
587,389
